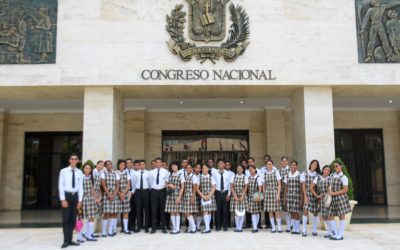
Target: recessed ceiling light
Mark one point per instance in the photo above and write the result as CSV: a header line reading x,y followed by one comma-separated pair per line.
x,y
390,101
180,102
241,102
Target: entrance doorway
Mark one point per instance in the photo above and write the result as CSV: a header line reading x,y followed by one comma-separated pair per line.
x,y
45,154
362,151
199,146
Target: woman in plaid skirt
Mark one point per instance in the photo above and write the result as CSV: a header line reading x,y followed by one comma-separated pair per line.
x,y
293,196
196,183
123,197
175,185
253,204
319,188
272,195
238,190
90,202
190,205
97,187
310,203
110,184
206,191
283,171
340,202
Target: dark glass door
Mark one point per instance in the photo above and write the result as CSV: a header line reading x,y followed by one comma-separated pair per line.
x,y
362,151
45,154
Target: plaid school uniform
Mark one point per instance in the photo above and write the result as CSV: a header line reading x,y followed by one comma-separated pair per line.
x,y
271,190
340,203
110,207
170,205
283,172
124,205
98,191
89,206
188,207
312,205
322,185
205,189
293,194
238,186
251,205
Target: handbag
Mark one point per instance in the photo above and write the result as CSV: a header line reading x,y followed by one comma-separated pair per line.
x,y
78,223
328,199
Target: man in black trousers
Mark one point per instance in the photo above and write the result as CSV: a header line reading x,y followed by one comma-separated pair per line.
x,y
158,180
222,195
130,167
71,193
142,196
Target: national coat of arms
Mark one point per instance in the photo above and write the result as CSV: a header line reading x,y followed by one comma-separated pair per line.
x,y
207,22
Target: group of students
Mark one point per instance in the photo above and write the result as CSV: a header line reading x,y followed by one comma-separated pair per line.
x,y
203,193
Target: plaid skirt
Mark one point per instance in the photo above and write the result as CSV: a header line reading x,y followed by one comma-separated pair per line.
x,y
252,206
270,202
211,207
340,205
293,202
312,205
90,208
324,210
124,206
170,205
110,207
188,207
239,205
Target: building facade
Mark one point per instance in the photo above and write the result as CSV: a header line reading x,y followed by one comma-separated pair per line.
x,y
118,87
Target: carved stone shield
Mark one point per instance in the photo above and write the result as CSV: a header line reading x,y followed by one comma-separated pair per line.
x,y
207,20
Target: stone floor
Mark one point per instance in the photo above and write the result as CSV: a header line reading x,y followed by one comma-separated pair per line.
x,y
360,236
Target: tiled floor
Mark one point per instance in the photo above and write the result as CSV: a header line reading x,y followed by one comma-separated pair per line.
x,y
52,218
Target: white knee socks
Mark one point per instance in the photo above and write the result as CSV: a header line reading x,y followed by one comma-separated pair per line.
x,y
104,227
111,226
305,218
198,221
271,219
192,225
177,223
207,219
287,218
237,222
279,222
254,219
125,222
328,228
333,227
297,223
342,225
173,223
315,223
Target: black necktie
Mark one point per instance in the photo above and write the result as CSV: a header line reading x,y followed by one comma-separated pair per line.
x,y
222,181
141,181
158,177
73,178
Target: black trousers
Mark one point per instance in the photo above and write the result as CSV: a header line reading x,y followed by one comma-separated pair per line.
x,y
228,208
267,222
221,215
69,216
142,202
132,214
157,198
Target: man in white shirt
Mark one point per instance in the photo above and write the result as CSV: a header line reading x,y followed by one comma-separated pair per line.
x,y
70,188
158,180
231,174
142,196
222,195
132,214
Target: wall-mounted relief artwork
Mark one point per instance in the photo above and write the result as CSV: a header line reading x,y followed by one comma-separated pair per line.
x,y
28,31
378,31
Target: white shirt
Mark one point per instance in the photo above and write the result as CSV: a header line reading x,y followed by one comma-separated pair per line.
x,y
231,175
128,176
102,176
181,176
162,179
290,175
131,173
259,181
97,173
216,174
277,174
196,179
65,182
246,179
315,181
146,179
343,179
303,176
262,170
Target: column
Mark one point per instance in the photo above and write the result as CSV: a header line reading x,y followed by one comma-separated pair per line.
x,y
276,134
3,128
103,124
313,129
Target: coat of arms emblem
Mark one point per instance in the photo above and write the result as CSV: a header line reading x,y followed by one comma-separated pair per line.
x,y
207,22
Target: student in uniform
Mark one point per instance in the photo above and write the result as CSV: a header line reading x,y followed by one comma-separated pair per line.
x,y
196,183
206,191
90,201
293,196
238,185
340,205
222,195
283,171
247,173
175,185
254,206
110,184
231,174
123,199
190,204
319,188
252,162
310,203
131,169
142,197
272,195
98,189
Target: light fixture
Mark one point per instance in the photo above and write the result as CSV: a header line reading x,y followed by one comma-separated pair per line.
x,y
180,102
390,101
241,102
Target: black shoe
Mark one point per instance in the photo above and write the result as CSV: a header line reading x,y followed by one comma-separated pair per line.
x,y
334,238
137,231
173,232
280,231
64,245
104,235
92,239
122,230
127,232
111,235
254,231
80,241
273,231
153,231
146,231
218,229
206,232
327,236
164,231
95,235
225,229
314,233
287,231
72,243
236,230
304,234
